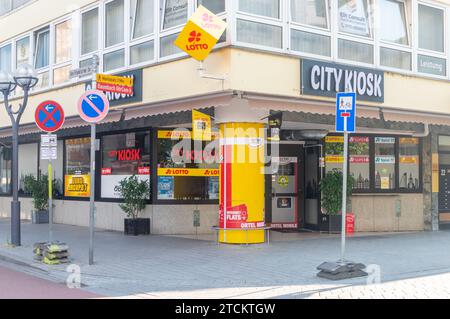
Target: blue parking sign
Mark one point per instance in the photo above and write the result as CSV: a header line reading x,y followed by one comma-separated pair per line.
x,y
346,112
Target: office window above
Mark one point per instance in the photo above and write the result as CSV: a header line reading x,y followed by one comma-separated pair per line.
x,y
354,18
431,28
313,13
395,29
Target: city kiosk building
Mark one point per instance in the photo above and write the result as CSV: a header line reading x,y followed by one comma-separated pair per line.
x,y
283,59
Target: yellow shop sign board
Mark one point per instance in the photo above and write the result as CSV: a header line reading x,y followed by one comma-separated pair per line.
x,y
115,80
201,34
196,172
77,185
201,126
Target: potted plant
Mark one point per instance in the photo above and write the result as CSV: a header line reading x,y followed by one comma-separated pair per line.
x,y
38,189
331,189
134,193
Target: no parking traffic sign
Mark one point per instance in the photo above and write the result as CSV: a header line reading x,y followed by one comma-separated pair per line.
x,y
93,106
49,116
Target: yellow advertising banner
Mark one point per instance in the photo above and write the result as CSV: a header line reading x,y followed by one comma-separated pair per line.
x,y
196,172
201,126
334,159
201,34
77,185
115,80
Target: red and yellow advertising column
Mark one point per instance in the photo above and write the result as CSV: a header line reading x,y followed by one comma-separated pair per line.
x,y
242,183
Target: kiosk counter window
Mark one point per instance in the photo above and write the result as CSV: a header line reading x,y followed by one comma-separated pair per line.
x,y
187,170
124,155
77,181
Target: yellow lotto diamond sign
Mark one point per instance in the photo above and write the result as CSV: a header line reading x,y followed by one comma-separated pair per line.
x,y
201,34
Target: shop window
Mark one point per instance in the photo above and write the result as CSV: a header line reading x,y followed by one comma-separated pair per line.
x,y
28,163
175,13
215,6
259,33
77,181
312,13
23,51
123,156
63,42
385,163
5,58
310,43
431,28
114,23
142,18
5,169
334,152
187,170
267,8
359,159
89,31
395,29
409,164
353,17
57,169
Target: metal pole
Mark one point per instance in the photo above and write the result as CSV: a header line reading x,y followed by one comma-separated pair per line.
x,y
50,197
95,62
15,204
344,194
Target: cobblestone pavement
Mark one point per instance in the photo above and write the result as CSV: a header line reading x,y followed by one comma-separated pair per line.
x,y
412,265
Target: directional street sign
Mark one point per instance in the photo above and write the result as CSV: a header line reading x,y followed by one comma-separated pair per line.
x,y
93,106
49,116
346,112
115,84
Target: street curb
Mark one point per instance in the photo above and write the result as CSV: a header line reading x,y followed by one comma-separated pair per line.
x,y
20,262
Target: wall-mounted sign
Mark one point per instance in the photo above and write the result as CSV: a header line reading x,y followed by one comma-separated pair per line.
x,y
115,84
201,126
431,65
126,155
197,172
116,99
326,79
77,185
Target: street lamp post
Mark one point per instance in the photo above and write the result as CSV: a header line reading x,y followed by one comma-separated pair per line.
x,y
25,78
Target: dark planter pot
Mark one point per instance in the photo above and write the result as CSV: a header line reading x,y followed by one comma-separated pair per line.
x,y
136,227
40,217
331,223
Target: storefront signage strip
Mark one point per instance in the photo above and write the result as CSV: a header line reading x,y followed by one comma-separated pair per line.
x,y
196,172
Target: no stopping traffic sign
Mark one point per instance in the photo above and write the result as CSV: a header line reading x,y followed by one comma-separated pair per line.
x,y
49,116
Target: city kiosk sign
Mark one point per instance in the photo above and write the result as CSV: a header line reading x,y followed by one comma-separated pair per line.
x,y
327,79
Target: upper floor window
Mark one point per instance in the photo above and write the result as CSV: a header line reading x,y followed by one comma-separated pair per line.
x,y
114,18
63,42
267,8
9,5
431,28
42,53
395,28
89,31
23,51
353,17
175,13
142,18
215,6
5,58
313,13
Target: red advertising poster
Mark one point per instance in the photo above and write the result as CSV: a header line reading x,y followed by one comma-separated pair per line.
x,y
106,171
237,218
350,224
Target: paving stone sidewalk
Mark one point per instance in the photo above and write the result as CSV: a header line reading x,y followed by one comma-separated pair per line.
x,y
412,265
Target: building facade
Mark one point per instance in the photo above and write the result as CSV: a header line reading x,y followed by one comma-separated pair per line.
x,y
284,58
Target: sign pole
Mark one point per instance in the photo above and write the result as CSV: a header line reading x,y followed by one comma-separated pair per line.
x,y
92,188
50,197
344,193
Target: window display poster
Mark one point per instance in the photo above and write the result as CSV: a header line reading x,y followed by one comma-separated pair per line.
x,y
175,12
166,187
77,185
110,184
353,17
213,188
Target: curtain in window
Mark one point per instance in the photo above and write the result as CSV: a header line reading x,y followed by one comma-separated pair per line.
x,y
215,6
5,58
310,43
142,52
113,60
175,13
89,32
310,12
42,49
353,17
114,22
355,51
268,8
142,13
259,33
395,58
63,42
431,28
394,30
22,51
